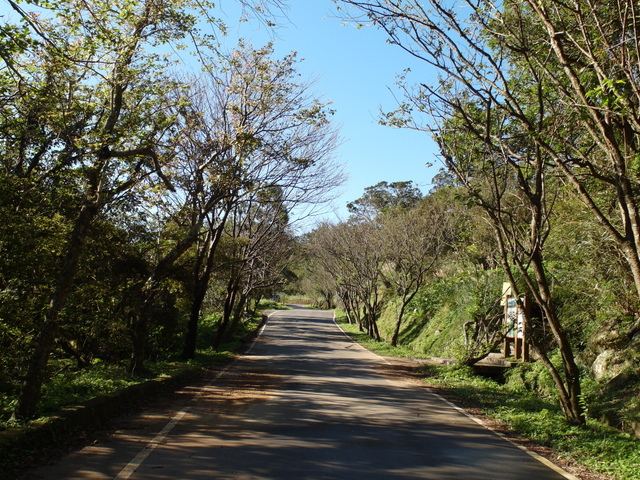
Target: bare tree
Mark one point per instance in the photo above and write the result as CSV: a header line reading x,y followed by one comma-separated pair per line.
x,y
413,242
536,87
254,128
352,252
258,250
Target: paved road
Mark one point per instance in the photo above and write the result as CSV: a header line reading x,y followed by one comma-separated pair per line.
x,y
305,403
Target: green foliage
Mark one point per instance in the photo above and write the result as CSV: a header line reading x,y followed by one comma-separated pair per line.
x,y
71,388
608,94
437,315
267,304
112,167
533,378
381,348
7,405
296,299
616,402
207,330
242,335
386,196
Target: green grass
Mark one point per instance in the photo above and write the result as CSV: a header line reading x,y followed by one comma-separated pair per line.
x,y
383,348
266,304
70,388
594,445
296,299
75,387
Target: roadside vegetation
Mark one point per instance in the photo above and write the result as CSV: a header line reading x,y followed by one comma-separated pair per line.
x,y
516,409
457,309
71,386
527,244
136,202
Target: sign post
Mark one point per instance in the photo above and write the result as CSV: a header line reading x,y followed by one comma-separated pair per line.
x,y
515,325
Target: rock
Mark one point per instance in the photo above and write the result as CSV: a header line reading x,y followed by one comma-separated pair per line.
x,y
614,335
608,364
635,328
611,419
617,382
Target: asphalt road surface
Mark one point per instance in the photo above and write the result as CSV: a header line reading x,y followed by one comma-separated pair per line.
x,y
304,403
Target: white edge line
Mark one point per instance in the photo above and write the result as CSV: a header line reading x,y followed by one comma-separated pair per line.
x,y
540,458
260,332
533,454
356,343
142,455
131,467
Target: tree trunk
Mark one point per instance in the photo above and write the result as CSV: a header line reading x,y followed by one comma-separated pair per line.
x,y
568,387
406,298
149,293
140,330
191,335
570,398
375,331
237,315
396,330
201,285
232,290
372,324
256,302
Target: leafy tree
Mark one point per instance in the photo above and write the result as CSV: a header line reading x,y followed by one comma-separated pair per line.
x,y
534,90
508,183
384,196
94,127
91,117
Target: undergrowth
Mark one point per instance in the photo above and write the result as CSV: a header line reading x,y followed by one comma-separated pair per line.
x,y
75,386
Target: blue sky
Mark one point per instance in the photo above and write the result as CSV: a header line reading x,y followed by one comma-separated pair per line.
x,y
354,68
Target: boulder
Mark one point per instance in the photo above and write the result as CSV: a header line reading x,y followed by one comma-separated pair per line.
x,y
618,382
609,364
